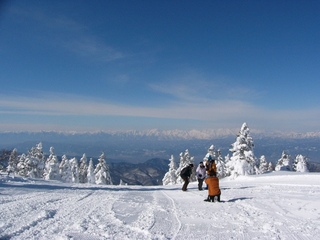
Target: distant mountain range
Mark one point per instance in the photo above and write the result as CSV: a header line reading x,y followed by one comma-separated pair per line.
x,y
140,146
208,134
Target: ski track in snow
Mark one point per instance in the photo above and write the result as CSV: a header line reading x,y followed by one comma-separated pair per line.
x,y
251,208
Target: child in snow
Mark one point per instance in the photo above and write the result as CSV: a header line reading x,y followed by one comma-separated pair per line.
x,y
201,174
213,187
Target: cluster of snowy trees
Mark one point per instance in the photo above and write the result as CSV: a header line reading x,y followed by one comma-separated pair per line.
x,y
34,164
286,163
242,162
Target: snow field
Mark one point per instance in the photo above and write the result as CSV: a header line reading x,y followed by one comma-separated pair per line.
x,y
279,205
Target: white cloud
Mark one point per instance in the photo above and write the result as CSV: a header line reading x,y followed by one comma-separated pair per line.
x,y
219,113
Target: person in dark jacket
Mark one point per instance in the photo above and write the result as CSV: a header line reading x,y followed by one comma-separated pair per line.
x,y
185,175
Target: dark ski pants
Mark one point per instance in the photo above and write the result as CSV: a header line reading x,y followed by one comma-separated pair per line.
x,y
200,183
185,185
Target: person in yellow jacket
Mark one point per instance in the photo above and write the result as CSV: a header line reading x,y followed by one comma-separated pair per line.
x,y
214,192
210,165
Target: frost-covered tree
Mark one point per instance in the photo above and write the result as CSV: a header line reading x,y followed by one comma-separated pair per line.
x,y
221,167
263,167
301,164
270,167
83,169
13,161
22,169
65,170
102,173
74,170
284,163
228,165
52,167
185,160
34,162
211,153
90,173
37,153
170,178
243,160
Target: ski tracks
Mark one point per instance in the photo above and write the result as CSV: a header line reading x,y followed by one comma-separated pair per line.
x,y
147,214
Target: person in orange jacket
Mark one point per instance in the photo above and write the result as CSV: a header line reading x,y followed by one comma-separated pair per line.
x,y
213,187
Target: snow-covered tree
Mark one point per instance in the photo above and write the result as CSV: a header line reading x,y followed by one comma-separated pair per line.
x,y
221,167
211,153
65,170
34,162
22,169
284,163
102,173
243,160
13,161
37,153
83,169
270,167
52,167
74,170
170,177
301,164
263,167
90,173
228,165
185,160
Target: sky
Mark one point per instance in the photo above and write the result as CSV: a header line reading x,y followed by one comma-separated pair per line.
x,y
278,205
124,65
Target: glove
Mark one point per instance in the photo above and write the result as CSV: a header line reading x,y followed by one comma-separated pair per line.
x,y
200,175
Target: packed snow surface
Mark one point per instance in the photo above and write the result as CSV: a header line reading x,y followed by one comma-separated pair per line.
x,y
278,205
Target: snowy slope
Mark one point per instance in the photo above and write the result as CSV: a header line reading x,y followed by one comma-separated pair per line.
x,y
279,205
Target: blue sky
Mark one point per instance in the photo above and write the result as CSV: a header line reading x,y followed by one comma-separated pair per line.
x,y
118,65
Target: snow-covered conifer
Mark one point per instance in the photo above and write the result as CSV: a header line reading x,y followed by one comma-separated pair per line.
x,y
52,167
101,172
13,161
34,162
83,169
301,164
221,168
65,170
263,167
170,177
284,163
228,165
21,166
185,160
270,167
74,170
90,173
243,160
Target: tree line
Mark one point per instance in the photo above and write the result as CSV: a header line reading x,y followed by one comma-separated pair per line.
x,y
242,162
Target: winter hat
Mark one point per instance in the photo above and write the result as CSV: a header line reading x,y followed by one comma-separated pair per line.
x,y
191,165
209,158
201,163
